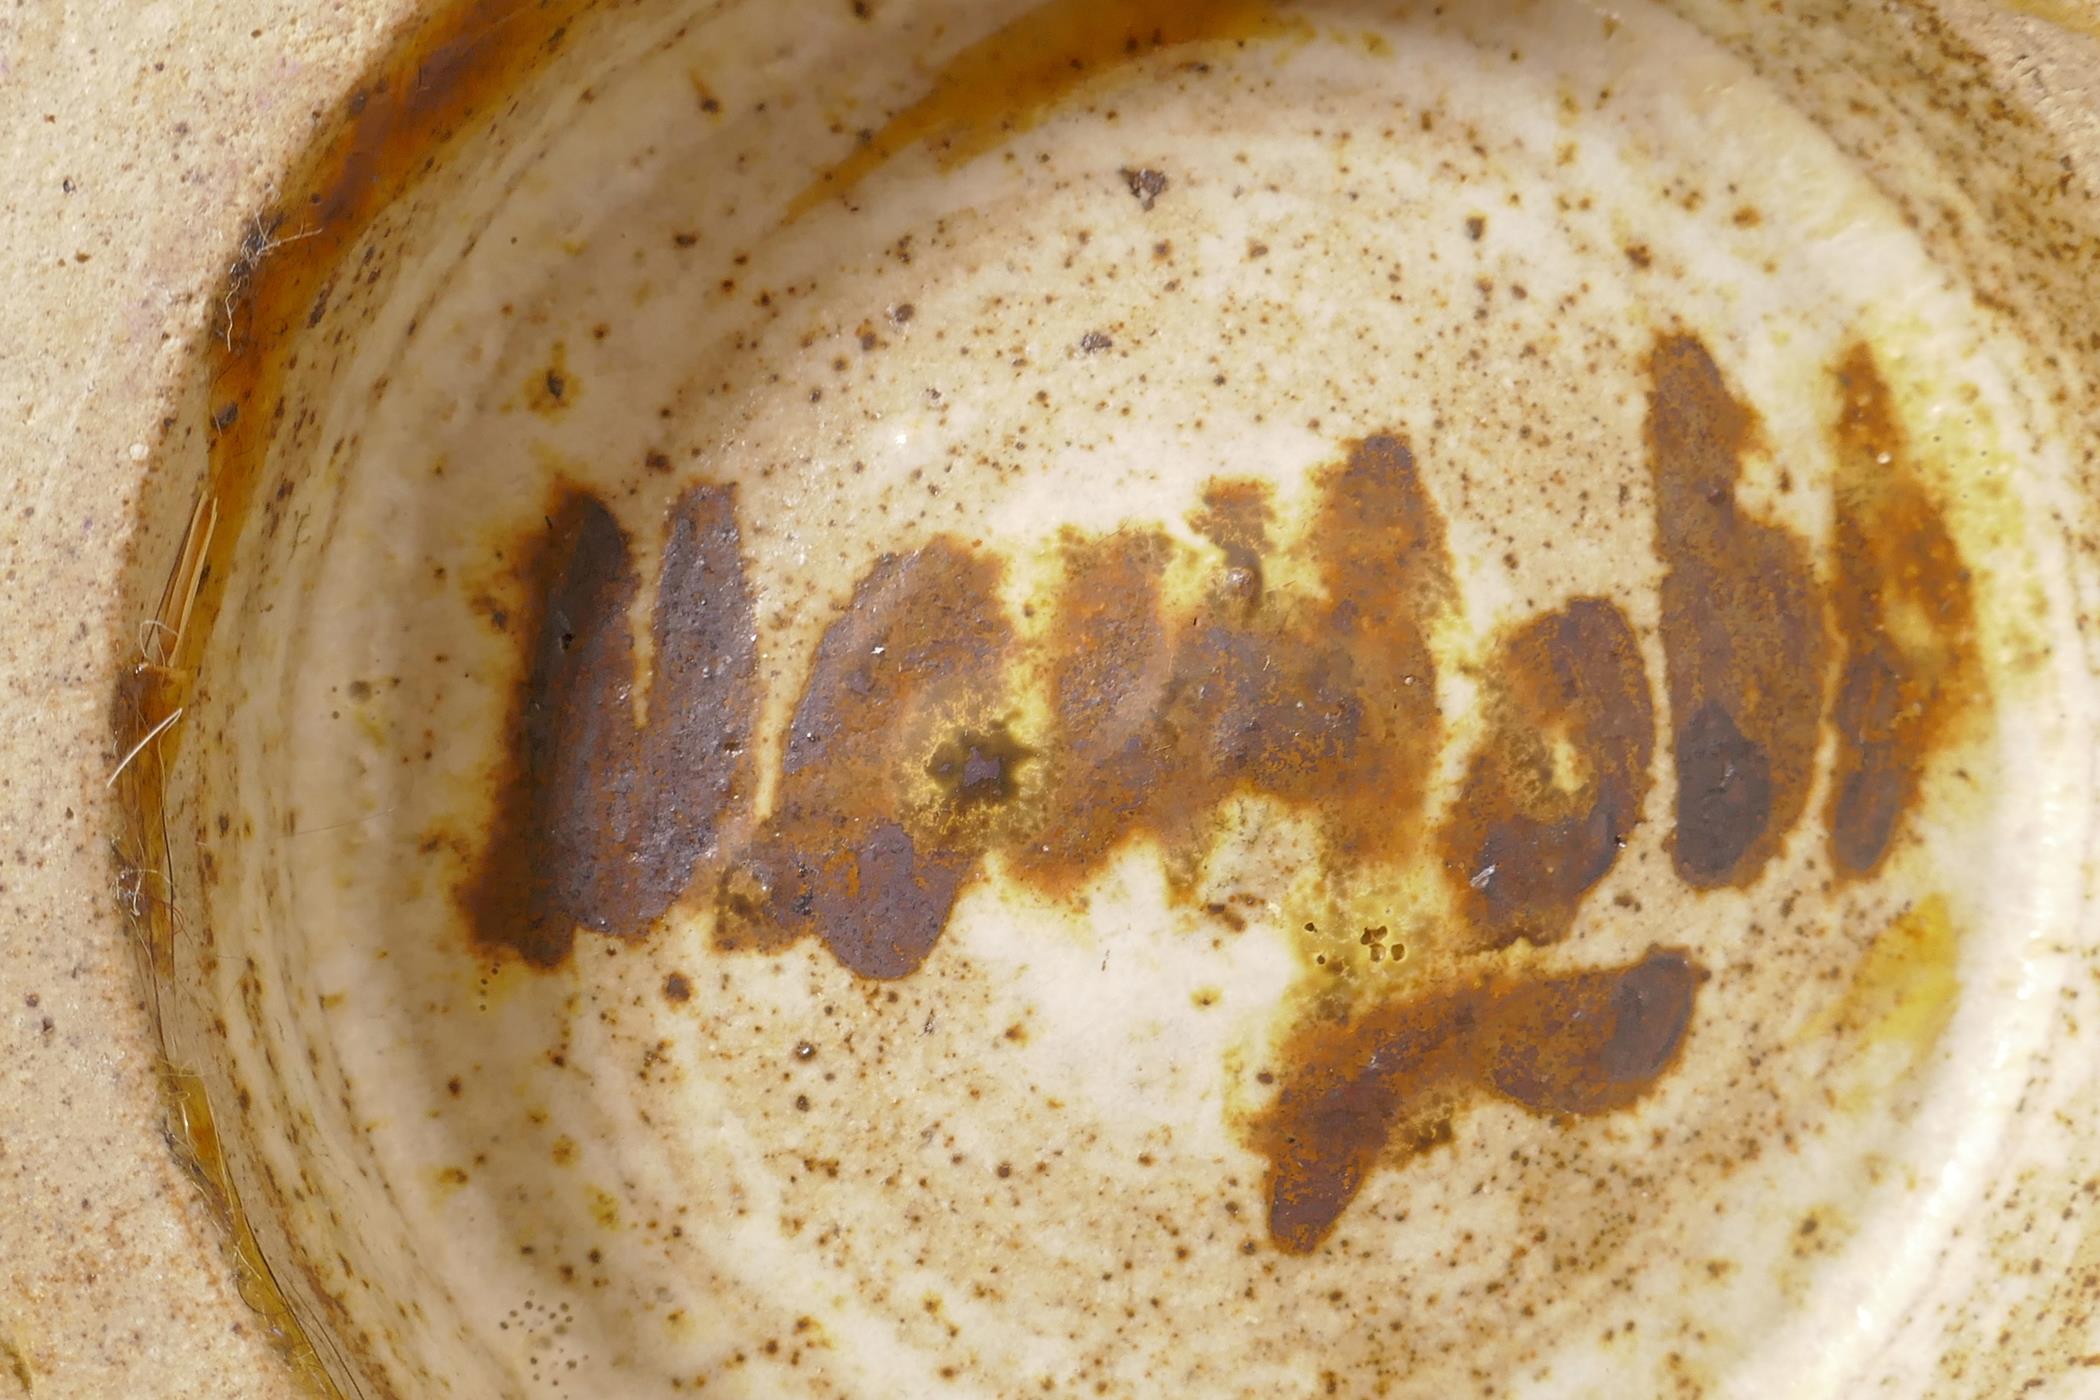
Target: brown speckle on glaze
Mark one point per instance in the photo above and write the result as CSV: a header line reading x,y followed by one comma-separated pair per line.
x,y
552,390
1146,186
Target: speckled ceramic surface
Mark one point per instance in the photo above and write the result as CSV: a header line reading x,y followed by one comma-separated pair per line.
x,y
1110,698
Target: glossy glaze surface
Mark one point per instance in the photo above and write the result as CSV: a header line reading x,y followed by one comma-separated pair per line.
x,y
1327,698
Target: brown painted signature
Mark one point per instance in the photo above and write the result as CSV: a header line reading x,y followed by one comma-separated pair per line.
x,y
903,772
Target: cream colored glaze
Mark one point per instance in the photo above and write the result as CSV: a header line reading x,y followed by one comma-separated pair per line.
x,y
622,1196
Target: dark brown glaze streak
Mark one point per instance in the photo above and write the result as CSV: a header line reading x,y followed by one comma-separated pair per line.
x,y
1905,619
1110,668
1386,1086
1560,777
1327,704
1742,627
851,855
1380,545
600,821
